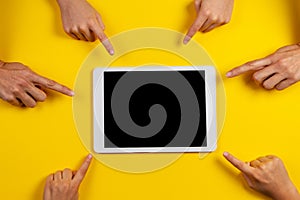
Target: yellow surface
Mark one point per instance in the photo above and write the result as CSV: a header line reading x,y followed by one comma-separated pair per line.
x,y
35,142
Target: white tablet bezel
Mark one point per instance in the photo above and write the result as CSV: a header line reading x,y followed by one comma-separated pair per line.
x,y
210,98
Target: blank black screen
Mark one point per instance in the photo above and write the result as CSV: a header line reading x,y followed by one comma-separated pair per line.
x,y
142,99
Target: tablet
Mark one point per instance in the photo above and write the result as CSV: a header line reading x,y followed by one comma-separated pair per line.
x,y
154,109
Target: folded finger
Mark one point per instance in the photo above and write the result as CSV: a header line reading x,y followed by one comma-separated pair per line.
x,y
36,93
271,82
58,175
284,84
207,24
263,159
266,73
72,35
79,35
26,99
255,163
213,26
13,101
67,174
86,33
50,178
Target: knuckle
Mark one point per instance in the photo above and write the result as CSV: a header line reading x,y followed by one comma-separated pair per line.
x,y
207,13
276,159
67,29
290,71
16,91
263,167
91,22
73,29
82,28
50,83
9,98
22,83
102,37
282,63
255,76
195,28
67,170
215,18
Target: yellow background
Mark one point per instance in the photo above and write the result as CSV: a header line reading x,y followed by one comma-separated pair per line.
x,y
36,142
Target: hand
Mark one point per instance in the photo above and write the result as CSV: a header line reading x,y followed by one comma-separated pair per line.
x,y
20,86
82,22
266,175
278,70
64,185
210,14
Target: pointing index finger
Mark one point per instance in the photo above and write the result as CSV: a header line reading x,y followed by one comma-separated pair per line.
x,y
194,28
240,165
103,39
50,84
250,66
80,174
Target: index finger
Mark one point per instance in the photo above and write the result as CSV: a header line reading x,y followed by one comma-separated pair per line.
x,y
80,174
194,28
104,40
250,66
240,165
50,84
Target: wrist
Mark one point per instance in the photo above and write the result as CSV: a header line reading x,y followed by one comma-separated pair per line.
x,y
290,193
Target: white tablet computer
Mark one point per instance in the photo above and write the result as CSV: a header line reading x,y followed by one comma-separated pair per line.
x,y
154,109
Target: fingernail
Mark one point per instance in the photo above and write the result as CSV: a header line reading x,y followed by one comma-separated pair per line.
x,y
111,52
229,74
90,156
72,93
225,153
186,39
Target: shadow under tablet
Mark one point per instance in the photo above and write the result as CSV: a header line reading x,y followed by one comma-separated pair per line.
x,y
155,109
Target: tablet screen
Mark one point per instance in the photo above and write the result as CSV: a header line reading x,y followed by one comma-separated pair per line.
x,y
145,109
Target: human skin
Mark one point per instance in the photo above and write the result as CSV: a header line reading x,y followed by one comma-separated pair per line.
x,y
278,70
210,14
64,185
266,175
82,22
20,86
